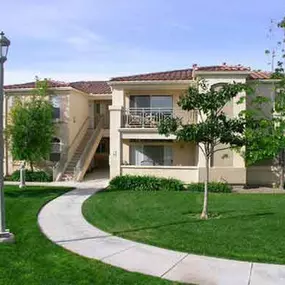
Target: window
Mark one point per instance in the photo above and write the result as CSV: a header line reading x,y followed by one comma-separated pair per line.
x,y
151,101
55,100
10,100
151,155
55,149
97,108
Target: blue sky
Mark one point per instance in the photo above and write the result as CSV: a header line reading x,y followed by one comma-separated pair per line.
x,y
93,39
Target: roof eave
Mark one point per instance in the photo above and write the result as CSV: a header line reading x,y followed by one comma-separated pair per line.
x,y
265,80
149,82
101,96
16,90
205,72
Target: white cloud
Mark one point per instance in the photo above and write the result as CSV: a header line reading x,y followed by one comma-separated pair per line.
x,y
83,40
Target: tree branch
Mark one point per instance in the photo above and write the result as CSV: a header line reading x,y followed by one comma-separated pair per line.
x,y
201,115
202,149
224,148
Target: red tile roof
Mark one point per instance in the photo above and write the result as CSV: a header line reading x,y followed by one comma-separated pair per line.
x,y
94,87
102,87
51,83
223,67
259,75
183,74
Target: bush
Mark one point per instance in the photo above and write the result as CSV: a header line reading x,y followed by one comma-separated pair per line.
x,y
215,187
145,183
36,176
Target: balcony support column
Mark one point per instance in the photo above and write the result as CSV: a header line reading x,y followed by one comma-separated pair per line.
x,y
115,157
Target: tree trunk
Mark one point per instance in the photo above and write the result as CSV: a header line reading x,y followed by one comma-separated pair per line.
x,y
204,214
32,166
281,185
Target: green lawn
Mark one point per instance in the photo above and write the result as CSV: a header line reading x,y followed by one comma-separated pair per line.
x,y
243,226
35,260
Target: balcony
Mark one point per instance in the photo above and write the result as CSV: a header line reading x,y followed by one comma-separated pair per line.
x,y
151,117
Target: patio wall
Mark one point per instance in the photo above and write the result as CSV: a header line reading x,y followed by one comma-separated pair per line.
x,y
187,174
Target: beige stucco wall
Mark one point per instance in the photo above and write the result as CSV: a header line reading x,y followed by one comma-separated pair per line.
x,y
222,157
184,154
234,175
121,99
61,127
143,134
261,88
262,175
226,158
227,165
78,112
185,174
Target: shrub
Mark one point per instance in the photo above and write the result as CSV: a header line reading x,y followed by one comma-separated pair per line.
x,y
36,176
215,187
145,183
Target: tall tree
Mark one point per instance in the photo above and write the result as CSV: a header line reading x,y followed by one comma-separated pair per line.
x,y
265,133
30,126
213,129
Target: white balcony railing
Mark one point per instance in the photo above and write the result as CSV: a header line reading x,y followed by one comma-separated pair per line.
x,y
151,117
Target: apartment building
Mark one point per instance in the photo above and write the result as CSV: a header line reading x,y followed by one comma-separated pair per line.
x,y
113,125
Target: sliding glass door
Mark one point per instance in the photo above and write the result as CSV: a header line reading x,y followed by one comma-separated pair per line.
x,y
151,101
152,155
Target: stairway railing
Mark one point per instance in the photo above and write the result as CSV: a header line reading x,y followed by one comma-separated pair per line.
x,y
81,167
67,152
60,165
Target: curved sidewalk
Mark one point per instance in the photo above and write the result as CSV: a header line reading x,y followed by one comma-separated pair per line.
x,y
61,220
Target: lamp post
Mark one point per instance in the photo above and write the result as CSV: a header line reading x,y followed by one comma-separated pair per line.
x,y
5,235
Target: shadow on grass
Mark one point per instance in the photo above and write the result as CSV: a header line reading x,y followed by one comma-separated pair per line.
x,y
108,190
192,221
35,192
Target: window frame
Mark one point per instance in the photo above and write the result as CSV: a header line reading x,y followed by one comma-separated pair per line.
x,y
134,104
137,152
53,153
56,112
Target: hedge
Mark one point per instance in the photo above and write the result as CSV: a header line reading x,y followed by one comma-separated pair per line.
x,y
31,176
215,187
145,183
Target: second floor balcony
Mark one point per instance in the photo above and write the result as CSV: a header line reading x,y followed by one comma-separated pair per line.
x,y
151,117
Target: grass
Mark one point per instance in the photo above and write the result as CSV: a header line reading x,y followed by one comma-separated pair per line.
x,y
245,227
34,260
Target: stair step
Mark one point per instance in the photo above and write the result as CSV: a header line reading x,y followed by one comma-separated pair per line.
x,y
69,171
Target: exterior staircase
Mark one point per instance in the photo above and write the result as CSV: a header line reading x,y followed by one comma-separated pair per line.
x,y
69,171
80,161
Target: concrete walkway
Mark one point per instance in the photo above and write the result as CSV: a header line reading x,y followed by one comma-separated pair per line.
x,y
62,222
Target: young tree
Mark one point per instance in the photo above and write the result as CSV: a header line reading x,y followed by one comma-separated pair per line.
x,y
265,132
30,127
213,129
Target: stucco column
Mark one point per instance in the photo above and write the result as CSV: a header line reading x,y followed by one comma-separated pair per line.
x,y
115,140
238,160
115,158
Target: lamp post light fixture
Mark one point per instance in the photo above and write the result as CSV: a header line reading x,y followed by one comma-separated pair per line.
x,y
5,235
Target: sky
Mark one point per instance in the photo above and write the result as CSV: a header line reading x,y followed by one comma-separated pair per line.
x,y
72,40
